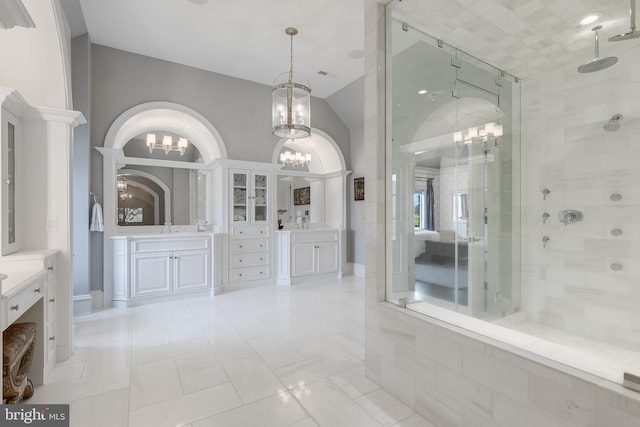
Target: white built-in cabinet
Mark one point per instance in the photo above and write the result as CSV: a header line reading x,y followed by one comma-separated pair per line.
x,y
35,195
250,231
151,266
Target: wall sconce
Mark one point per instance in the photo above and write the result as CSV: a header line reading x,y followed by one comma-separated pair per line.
x,y
167,144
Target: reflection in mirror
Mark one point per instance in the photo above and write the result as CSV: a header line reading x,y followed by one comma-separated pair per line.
x,y
300,200
154,195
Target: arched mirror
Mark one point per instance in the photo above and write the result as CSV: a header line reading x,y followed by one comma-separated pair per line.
x,y
152,194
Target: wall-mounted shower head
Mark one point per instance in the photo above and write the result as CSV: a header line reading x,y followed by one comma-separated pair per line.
x,y
632,33
613,124
597,63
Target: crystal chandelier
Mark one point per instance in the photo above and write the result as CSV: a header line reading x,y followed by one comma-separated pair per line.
x,y
290,158
167,144
122,189
291,106
479,133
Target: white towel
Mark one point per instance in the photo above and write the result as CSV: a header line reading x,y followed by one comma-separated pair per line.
x,y
96,218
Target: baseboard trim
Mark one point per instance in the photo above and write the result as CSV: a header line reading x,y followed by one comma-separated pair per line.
x,y
358,269
97,300
82,304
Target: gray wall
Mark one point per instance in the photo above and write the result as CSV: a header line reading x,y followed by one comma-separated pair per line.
x,y
349,104
80,73
240,110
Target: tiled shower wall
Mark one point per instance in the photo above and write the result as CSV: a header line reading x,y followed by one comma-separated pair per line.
x,y
451,377
586,280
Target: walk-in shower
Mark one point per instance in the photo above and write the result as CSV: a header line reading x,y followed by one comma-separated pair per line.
x,y
506,244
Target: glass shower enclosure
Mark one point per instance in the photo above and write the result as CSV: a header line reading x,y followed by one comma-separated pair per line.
x,y
453,182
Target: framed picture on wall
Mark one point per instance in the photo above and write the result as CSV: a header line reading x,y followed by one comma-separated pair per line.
x,y
358,188
302,196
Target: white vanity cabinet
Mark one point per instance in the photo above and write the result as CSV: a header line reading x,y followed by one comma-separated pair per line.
x,y
153,266
307,252
314,252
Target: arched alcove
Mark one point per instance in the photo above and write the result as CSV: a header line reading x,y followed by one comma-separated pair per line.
x,y
172,117
326,156
325,176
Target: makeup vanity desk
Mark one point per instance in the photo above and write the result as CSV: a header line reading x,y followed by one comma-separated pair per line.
x,y
28,294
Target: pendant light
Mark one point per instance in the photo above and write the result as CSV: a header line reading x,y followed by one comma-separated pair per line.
x,y
291,102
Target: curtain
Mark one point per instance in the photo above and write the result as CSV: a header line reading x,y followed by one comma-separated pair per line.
x,y
429,206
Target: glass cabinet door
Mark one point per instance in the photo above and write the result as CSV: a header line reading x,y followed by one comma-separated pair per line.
x,y
9,218
240,196
260,210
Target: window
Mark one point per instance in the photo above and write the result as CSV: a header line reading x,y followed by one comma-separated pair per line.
x,y
418,209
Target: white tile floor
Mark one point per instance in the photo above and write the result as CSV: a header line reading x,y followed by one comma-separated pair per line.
x,y
267,356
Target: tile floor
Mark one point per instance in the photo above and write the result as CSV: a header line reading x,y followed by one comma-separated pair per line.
x,y
267,356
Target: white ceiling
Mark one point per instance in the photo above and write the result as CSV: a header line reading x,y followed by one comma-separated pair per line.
x,y
240,38
246,39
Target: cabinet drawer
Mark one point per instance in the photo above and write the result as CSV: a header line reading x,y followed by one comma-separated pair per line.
x,y
250,232
237,246
18,304
170,244
314,236
51,267
249,260
253,273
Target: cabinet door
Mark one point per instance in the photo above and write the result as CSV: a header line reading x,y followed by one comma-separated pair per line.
x,y
240,196
327,257
10,141
302,258
192,270
151,274
260,198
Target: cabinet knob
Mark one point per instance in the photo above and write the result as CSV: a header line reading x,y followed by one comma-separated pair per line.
x,y
240,260
240,274
261,259
261,245
52,338
52,300
36,290
50,268
15,307
240,232
240,246
261,231
7,181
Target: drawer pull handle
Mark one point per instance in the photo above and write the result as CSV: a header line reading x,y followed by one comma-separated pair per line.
x,y
261,245
15,307
239,260
261,232
50,268
36,290
261,272
52,300
52,338
261,259
240,274
240,246
240,232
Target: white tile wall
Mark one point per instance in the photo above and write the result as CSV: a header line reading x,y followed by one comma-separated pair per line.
x,y
453,378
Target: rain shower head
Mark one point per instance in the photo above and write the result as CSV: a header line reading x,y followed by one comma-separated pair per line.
x,y
632,33
613,124
597,63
